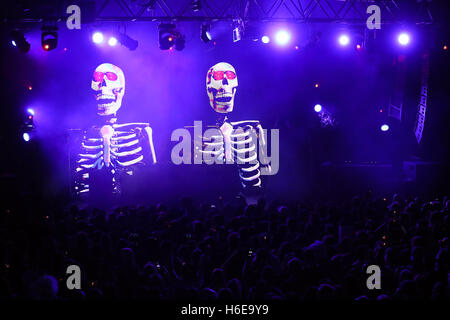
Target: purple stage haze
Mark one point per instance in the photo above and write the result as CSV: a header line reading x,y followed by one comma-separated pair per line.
x,y
276,87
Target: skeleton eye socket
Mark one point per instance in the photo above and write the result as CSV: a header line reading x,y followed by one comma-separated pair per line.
x,y
218,75
111,76
230,75
98,76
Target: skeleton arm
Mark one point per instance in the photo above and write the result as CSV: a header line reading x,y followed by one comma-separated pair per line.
x,y
149,132
262,145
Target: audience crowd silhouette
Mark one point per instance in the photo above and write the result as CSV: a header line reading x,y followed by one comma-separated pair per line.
x,y
229,251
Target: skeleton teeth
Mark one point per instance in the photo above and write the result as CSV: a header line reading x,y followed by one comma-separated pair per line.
x,y
106,97
105,101
223,99
104,108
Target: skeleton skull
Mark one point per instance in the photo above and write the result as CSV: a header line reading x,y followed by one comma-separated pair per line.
x,y
221,84
108,84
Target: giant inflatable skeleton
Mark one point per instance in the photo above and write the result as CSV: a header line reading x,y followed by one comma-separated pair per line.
x,y
238,141
116,148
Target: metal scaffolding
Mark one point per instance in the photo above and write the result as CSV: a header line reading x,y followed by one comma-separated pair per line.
x,y
296,11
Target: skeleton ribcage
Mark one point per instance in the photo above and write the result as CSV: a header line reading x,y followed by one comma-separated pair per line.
x,y
244,148
238,144
113,148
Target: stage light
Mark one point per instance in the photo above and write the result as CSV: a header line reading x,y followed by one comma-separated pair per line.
x,y
344,40
445,48
358,47
112,41
127,41
316,85
97,37
237,34
403,39
18,40
282,37
317,108
384,127
238,30
170,38
166,36
49,37
27,127
265,39
180,42
205,35
196,5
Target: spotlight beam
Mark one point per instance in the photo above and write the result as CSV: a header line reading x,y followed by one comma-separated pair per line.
x,y
282,37
404,39
97,37
344,40
205,34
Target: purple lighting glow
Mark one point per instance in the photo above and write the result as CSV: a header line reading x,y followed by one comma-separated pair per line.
x,y
344,40
403,39
30,111
97,37
282,37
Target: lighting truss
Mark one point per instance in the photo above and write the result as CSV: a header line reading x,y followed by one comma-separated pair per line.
x,y
297,11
